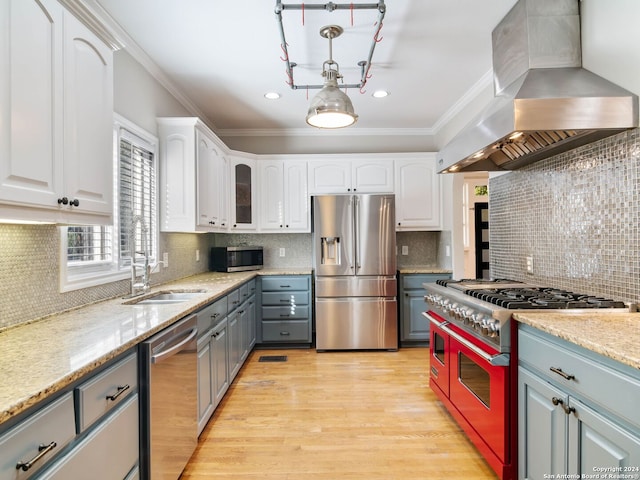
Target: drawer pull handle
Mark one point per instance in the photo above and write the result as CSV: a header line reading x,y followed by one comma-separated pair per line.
x,y
120,391
559,401
285,300
285,334
564,375
215,315
285,286
43,449
284,315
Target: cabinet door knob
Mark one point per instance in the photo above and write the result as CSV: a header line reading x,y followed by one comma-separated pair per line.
x,y
63,201
75,202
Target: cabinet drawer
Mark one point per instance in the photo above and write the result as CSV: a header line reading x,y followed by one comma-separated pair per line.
x,y
285,313
211,314
284,298
593,377
416,281
233,300
53,424
280,284
252,286
99,395
109,452
289,331
244,292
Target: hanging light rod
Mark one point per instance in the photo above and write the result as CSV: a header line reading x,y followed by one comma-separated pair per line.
x,y
365,65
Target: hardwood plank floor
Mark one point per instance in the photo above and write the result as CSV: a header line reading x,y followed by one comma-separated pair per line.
x,y
334,415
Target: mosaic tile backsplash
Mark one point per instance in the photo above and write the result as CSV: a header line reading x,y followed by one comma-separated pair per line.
x,y
577,214
29,272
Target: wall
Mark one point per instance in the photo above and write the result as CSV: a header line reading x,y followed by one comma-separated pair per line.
x,y
577,215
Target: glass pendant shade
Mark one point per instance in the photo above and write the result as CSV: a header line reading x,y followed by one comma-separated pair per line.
x,y
331,108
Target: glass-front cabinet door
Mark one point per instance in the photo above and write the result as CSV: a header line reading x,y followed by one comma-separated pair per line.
x,y
243,181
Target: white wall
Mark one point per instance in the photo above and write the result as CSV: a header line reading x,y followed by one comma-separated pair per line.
x,y
611,40
139,97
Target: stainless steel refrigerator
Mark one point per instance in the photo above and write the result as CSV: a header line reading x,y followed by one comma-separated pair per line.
x,y
354,249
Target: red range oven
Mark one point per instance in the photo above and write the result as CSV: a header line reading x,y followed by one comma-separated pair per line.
x,y
471,369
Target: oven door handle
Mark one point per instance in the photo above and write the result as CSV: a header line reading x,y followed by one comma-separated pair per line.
x,y
499,360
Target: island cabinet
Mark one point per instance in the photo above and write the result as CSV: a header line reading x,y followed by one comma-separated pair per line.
x,y
284,198
194,177
90,431
285,311
414,327
577,411
418,192
345,175
56,147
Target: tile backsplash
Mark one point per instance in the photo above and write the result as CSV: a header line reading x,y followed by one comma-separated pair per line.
x,y
29,272
577,214
423,248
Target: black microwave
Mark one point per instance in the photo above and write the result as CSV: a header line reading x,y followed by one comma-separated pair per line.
x,y
235,259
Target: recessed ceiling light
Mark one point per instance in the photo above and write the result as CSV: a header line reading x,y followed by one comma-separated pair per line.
x,y
272,95
380,94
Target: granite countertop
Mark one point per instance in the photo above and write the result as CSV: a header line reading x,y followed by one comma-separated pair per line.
x,y
40,358
614,335
422,269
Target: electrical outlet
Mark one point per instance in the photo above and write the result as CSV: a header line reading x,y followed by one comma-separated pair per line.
x,y
197,255
282,251
165,259
405,250
447,251
529,261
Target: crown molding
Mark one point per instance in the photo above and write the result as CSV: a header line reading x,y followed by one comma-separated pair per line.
x,y
305,132
92,13
464,101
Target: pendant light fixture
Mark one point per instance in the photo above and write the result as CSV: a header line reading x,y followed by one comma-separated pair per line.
x,y
331,107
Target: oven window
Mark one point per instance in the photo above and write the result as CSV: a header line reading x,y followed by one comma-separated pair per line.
x,y
438,347
475,378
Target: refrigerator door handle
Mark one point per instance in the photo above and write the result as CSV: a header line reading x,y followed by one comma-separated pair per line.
x,y
356,231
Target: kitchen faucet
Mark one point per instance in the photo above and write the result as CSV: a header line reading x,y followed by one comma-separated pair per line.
x,y
138,288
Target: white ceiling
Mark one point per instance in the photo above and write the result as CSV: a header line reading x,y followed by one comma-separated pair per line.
x,y
224,55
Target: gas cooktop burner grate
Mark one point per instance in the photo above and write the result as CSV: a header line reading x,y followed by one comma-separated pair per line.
x,y
541,298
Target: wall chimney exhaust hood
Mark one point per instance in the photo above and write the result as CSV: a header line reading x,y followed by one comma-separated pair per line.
x,y
545,103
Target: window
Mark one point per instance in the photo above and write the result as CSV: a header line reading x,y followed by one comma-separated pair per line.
x,y
94,255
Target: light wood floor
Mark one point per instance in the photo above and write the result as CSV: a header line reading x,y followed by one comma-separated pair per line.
x,y
334,415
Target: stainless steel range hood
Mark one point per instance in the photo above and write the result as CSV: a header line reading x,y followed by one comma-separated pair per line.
x,y
545,103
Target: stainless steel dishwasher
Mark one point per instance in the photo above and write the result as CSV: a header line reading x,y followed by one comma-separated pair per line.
x,y
169,394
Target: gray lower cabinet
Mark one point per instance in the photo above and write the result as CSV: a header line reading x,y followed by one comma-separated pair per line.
x,y
285,311
577,411
227,333
90,431
52,426
414,327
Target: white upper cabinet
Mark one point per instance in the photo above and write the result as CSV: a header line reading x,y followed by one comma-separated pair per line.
x,y
243,208
284,200
88,118
418,205
56,108
193,177
350,175
372,176
213,184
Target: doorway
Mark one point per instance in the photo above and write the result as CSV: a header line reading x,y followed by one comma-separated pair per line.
x,y
475,219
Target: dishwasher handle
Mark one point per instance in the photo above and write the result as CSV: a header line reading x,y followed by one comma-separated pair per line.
x,y
178,347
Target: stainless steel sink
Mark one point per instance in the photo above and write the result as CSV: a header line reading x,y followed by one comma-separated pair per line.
x,y
166,297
